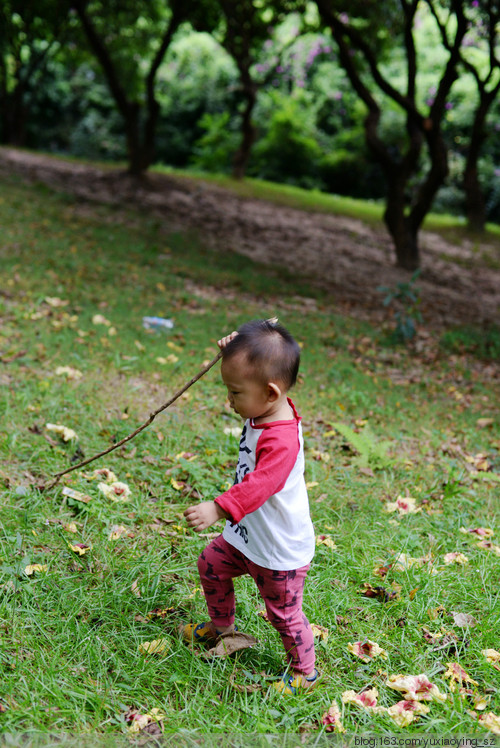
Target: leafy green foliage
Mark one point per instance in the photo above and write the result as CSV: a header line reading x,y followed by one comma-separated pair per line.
x,y
372,451
288,151
405,299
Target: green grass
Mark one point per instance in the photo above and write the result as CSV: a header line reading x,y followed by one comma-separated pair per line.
x,y
70,635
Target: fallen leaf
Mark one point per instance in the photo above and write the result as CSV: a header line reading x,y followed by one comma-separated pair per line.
x,y
479,701
102,474
69,372
77,495
135,588
64,432
455,558
463,619
367,471
118,531
381,571
117,491
403,505
229,643
483,423
98,319
479,462
484,532
331,719
161,613
188,456
433,613
403,562
381,593
70,527
157,646
405,712
141,722
320,456
492,656
319,632
457,674
326,540
32,568
366,650
491,722
174,346
415,687
365,699
55,301
79,548
489,546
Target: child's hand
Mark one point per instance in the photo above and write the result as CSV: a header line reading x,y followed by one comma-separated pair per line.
x,y
227,339
201,516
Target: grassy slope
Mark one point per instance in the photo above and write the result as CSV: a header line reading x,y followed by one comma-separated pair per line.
x,y
70,635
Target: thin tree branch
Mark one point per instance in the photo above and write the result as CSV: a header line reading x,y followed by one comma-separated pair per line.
x,y
138,430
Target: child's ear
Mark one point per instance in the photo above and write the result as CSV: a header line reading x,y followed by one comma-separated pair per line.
x,y
274,392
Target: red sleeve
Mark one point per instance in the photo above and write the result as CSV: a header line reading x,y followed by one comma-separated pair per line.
x,y
276,454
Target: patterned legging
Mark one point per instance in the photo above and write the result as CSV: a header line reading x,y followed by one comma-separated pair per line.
x,y
281,591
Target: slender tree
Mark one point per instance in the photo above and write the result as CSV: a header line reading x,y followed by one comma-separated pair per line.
x,y
245,27
480,56
30,31
363,38
130,38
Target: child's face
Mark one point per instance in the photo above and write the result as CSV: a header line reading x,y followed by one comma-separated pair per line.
x,y
248,395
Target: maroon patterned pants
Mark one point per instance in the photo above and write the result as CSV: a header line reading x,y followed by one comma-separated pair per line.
x,y
281,591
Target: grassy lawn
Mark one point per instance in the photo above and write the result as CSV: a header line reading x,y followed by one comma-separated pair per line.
x,y
380,423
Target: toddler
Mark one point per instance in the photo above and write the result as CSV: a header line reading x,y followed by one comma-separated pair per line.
x,y
268,532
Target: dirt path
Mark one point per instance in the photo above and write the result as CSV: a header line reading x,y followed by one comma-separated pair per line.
x,y
342,255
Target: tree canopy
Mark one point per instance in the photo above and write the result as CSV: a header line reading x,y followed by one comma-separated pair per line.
x,y
348,101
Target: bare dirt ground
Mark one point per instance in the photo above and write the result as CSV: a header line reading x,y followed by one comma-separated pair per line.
x,y
347,258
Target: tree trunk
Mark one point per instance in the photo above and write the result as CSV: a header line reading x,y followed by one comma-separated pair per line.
x,y
14,117
475,204
400,227
248,132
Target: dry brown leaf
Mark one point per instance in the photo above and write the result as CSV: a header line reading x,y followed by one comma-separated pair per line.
x,y
135,588
229,643
77,495
463,619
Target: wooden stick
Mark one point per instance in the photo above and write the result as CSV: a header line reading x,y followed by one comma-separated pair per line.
x,y
138,430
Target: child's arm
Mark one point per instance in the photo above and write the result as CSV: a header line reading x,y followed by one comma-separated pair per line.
x,y
201,516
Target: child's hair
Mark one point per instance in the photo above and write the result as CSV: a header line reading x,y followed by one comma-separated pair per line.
x,y
269,349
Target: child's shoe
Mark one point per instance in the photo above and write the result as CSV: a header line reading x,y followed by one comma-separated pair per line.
x,y
289,685
201,632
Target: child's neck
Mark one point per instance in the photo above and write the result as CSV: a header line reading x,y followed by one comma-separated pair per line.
x,y
279,411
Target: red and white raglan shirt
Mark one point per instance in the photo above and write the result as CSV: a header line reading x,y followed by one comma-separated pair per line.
x,y
268,505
